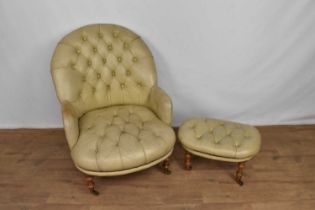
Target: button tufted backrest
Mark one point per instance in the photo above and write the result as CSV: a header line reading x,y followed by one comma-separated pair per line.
x,y
102,65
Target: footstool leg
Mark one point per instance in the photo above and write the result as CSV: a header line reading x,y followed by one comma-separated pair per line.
x,y
239,173
165,166
188,163
91,185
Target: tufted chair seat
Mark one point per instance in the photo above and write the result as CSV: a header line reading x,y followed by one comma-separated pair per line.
x,y
120,139
219,140
116,118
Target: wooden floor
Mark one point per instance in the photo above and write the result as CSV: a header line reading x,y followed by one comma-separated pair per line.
x,y
36,172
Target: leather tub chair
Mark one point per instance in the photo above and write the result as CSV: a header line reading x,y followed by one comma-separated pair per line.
x,y
116,119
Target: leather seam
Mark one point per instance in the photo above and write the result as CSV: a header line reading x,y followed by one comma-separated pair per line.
x,y
121,160
145,154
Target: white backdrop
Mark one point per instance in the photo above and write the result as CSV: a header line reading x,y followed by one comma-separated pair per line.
x,y
251,61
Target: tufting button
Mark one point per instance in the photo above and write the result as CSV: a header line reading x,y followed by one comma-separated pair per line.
x,y
93,89
108,87
94,49
128,72
119,59
110,47
115,34
126,46
83,79
113,73
98,75
134,59
100,35
122,85
89,63
72,66
104,60
84,38
78,51
139,84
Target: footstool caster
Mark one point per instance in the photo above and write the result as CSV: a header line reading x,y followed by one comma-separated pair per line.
x,y
219,140
239,173
188,160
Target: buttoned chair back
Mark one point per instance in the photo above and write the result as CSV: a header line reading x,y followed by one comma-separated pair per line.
x,y
102,65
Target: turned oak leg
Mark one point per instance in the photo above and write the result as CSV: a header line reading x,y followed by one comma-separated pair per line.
x,y
239,173
165,166
188,162
91,185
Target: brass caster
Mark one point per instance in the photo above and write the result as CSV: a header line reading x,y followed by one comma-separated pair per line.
x,y
166,171
188,168
94,192
91,185
240,182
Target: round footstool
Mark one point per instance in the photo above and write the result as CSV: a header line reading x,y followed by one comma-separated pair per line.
x,y
219,140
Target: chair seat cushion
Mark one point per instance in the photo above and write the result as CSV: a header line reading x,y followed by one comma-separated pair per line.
x,y
120,138
220,138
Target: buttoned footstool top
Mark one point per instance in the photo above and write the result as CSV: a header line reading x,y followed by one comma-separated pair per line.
x,y
220,140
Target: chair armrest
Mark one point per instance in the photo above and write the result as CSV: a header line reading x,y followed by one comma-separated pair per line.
x,y
160,103
71,124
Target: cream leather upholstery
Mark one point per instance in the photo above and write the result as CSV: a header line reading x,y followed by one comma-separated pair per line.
x,y
221,140
118,138
103,65
117,120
